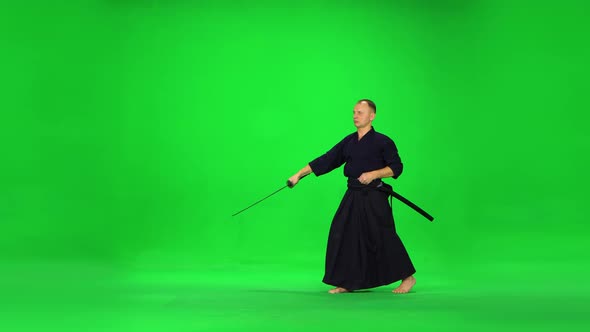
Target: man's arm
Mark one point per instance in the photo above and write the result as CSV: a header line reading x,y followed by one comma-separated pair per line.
x,y
368,177
302,172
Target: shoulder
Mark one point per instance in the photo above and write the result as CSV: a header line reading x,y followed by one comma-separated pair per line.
x,y
348,137
383,138
343,142
385,142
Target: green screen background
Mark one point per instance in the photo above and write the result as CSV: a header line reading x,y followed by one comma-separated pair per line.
x,y
131,131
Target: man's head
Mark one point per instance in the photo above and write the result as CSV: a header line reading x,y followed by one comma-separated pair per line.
x,y
364,113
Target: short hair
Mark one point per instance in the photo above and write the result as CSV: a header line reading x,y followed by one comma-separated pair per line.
x,y
370,103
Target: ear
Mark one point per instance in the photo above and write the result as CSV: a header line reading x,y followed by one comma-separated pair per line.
x,y
372,116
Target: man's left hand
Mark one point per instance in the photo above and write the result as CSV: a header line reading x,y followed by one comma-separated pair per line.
x,y
366,178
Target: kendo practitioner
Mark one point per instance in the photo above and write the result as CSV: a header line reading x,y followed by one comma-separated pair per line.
x,y
364,250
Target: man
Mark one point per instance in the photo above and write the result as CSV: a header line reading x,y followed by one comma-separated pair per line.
x,y
364,250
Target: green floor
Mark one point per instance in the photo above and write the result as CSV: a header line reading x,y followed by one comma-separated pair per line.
x,y
82,297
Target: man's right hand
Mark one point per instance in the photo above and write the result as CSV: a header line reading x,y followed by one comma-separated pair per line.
x,y
293,180
305,171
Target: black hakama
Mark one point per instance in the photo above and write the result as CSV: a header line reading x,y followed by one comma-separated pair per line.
x,y
364,250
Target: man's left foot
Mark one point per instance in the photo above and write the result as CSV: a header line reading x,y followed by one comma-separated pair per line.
x,y
406,285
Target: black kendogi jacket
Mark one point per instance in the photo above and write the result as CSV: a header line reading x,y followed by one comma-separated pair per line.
x,y
372,152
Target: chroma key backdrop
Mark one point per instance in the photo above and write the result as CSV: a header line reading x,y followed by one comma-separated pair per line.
x,y
132,130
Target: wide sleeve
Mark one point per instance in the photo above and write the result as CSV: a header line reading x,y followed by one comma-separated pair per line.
x,y
392,158
330,160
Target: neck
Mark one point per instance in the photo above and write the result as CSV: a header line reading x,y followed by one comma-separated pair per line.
x,y
362,131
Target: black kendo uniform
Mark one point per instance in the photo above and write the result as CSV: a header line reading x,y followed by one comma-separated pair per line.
x,y
364,250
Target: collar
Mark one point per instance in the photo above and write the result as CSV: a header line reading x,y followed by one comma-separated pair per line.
x,y
370,132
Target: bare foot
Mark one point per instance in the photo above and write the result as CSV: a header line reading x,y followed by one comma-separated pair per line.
x,y
406,285
338,290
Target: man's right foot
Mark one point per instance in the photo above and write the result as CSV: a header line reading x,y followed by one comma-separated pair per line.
x,y
338,290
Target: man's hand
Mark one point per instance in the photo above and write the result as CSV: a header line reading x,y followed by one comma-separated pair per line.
x,y
293,180
300,175
367,177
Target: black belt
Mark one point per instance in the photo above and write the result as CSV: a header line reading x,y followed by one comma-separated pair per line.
x,y
384,187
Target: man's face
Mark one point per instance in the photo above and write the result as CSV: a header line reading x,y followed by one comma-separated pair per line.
x,y
362,115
